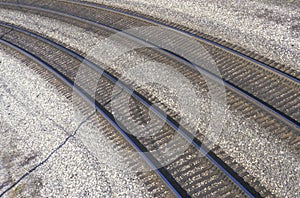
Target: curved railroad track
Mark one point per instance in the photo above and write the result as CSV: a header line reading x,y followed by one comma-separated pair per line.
x,y
283,69
262,92
225,173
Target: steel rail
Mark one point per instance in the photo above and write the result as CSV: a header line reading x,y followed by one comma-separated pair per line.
x,y
188,136
286,119
134,142
232,51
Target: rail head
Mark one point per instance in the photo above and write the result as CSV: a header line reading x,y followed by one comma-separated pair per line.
x,y
170,182
187,135
282,117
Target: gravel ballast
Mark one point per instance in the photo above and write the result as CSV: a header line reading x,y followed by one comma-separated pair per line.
x,y
270,28
35,120
264,157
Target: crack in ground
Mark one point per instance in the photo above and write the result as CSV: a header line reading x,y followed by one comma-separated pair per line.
x,y
10,30
49,156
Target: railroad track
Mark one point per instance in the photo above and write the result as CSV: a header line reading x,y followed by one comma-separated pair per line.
x,y
62,69
265,86
219,174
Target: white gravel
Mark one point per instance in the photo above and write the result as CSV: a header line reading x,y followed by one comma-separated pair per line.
x,y
34,120
270,28
265,158
53,28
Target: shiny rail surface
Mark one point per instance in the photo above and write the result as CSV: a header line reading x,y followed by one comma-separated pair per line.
x,y
262,61
238,74
155,165
211,156
281,100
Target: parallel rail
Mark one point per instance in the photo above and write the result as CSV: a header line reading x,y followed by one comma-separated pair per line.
x,y
167,177
234,52
155,165
292,122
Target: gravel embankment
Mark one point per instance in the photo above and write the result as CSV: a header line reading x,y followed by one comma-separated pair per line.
x,y
264,157
270,28
34,121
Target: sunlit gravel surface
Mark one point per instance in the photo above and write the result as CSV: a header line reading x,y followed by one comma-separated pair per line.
x,y
265,157
34,121
270,28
